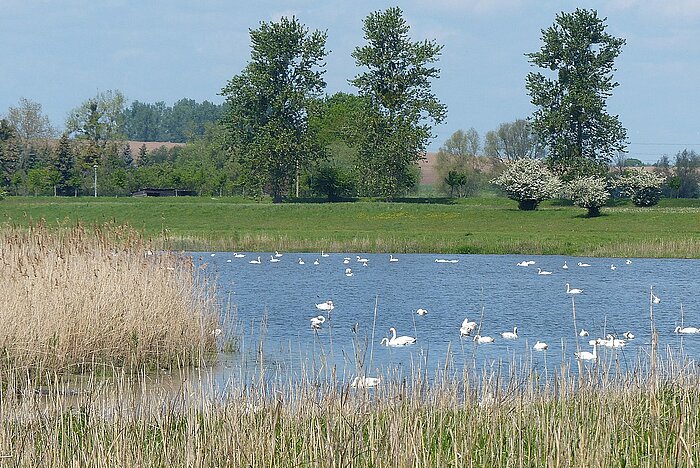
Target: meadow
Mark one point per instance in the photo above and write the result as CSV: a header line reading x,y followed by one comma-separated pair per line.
x,y
476,225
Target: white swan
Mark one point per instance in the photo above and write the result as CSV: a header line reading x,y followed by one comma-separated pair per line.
x,y
445,260
365,382
510,335
581,264
611,342
565,267
687,330
316,262
255,262
540,346
346,260
393,259
613,267
540,271
573,290
277,254
586,355
228,261
324,254
467,327
523,263
274,259
655,299
400,340
628,335
361,259
628,262
238,255
300,261
213,255
316,322
421,312
583,333
348,272
328,305
483,339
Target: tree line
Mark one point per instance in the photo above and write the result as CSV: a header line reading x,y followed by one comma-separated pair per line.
x,y
279,134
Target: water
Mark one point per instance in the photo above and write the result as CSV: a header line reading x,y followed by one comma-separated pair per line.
x,y
275,302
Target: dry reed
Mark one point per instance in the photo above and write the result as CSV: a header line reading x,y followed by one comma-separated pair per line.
x,y
77,298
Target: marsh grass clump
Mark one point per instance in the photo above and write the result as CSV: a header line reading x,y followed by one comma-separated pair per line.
x,y
77,299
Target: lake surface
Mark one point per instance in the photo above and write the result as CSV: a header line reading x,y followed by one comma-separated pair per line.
x,y
274,303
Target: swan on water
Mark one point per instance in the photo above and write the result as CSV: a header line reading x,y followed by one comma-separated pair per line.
x,y
274,259
365,382
583,333
348,272
238,255
613,267
392,258
316,262
328,305
540,346
573,290
361,259
687,330
510,335
523,263
581,264
628,335
399,340
346,260
324,254
628,262
655,299
277,254
421,312
565,266
587,355
467,327
540,271
255,262
316,322
445,260
300,261
483,339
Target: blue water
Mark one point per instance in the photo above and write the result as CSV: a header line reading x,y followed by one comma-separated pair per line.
x,y
274,303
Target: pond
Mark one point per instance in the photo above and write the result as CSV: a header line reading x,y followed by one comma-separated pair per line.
x,y
274,302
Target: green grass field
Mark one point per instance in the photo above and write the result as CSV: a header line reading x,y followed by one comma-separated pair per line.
x,y
478,225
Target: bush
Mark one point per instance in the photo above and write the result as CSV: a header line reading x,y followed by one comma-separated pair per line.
x,y
528,181
588,192
644,188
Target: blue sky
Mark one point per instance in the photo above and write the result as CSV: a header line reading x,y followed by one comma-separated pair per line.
x,y
60,53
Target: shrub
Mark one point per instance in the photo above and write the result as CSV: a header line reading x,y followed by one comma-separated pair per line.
x,y
588,192
528,181
644,188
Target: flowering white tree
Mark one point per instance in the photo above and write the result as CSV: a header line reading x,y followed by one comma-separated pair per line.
x,y
644,188
528,181
588,192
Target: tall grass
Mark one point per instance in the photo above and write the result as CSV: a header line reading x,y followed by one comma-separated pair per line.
x,y
77,298
467,419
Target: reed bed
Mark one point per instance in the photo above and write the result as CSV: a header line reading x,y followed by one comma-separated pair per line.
x,y
594,418
76,299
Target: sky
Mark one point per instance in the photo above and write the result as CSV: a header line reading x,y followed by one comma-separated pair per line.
x,y
60,53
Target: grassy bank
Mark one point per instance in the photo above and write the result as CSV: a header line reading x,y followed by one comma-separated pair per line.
x,y
481,225
597,420
77,299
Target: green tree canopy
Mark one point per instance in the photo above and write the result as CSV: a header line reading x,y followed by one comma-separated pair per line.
x,y
399,104
511,141
571,118
269,101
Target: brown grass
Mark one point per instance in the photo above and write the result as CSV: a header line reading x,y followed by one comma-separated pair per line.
x,y
76,297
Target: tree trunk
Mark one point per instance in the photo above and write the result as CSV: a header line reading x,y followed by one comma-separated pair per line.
x,y
593,211
527,205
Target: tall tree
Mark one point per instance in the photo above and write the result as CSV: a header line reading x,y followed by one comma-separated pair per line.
x,y
571,118
99,119
64,162
29,122
511,141
268,117
399,103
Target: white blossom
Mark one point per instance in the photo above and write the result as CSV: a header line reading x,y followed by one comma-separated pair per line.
x,y
528,181
589,192
643,187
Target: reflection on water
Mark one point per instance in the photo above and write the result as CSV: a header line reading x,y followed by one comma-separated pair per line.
x,y
275,302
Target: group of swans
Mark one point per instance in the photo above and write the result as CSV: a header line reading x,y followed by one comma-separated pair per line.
x,y
467,327
396,341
